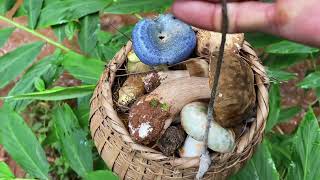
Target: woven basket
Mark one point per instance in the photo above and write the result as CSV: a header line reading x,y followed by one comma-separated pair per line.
x,y
130,160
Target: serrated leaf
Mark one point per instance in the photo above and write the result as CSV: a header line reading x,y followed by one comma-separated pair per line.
x,y
13,63
288,113
261,40
311,81
59,12
88,33
6,5
287,47
33,8
47,69
22,145
260,167
137,6
279,75
100,174
4,35
5,171
59,31
85,69
57,93
306,151
75,146
274,106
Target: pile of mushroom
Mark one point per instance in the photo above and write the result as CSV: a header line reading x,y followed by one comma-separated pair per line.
x,y
168,88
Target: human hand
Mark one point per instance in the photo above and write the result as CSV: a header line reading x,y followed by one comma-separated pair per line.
x,y
296,20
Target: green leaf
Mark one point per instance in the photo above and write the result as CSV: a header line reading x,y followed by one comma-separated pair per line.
x,y
137,6
88,33
311,81
281,61
57,93
13,63
288,113
100,174
47,69
59,31
280,76
75,146
33,7
6,5
4,35
5,171
261,40
22,145
39,84
274,105
86,69
59,12
287,47
70,29
83,110
260,167
306,150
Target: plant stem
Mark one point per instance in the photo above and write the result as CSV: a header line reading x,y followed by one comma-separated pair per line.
x,y
33,32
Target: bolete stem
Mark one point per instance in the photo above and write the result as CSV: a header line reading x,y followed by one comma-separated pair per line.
x,y
35,33
203,167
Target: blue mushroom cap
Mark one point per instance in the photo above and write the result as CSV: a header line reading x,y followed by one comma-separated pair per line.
x,y
164,40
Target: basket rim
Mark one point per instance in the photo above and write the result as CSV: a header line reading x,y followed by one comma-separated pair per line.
x,y
244,146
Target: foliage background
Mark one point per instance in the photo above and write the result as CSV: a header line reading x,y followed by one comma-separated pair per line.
x,y
44,122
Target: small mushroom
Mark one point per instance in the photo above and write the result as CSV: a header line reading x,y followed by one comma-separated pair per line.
x,y
209,42
164,40
236,97
194,119
171,140
134,65
131,89
159,108
191,148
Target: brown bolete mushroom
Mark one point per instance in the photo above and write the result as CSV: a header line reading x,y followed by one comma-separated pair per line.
x,y
236,91
150,115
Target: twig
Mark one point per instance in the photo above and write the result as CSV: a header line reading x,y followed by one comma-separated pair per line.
x,y
205,159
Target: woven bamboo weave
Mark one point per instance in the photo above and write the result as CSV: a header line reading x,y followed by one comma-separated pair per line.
x,y
130,160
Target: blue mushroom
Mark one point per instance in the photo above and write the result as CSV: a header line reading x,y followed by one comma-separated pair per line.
x,y
164,40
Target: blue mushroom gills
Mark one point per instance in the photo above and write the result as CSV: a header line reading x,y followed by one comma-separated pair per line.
x,y
164,40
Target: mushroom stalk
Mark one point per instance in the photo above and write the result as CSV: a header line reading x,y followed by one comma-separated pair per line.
x,y
160,107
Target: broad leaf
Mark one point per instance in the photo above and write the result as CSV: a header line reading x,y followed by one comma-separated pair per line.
x,y
88,33
288,113
86,69
287,47
70,29
306,150
261,40
274,105
260,167
59,12
13,63
4,35
83,110
280,76
33,7
100,174
22,145
59,31
311,81
5,171
137,6
47,69
6,5
282,61
57,93
75,146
